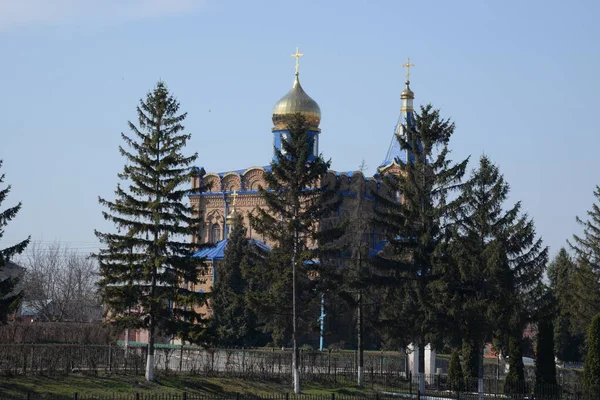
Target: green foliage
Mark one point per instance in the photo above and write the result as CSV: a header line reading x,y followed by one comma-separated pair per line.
x,y
585,289
515,380
297,198
147,265
587,246
234,319
470,353
545,366
573,288
495,265
591,368
455,373
10,297
411,210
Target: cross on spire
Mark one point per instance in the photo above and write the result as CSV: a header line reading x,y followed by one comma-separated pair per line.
x,y
407,66
234,195
297,56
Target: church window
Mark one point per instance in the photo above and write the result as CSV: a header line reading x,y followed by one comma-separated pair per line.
x,y
215,233
284,138
315,145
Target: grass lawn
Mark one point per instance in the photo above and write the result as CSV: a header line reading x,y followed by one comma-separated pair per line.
x,y
105,386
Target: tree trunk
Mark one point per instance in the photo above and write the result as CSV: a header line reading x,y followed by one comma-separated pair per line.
x,y
480,370
150,358
422,365
361,376
295,356
126,342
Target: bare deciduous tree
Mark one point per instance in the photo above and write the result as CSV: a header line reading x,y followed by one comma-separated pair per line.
x,y
60,283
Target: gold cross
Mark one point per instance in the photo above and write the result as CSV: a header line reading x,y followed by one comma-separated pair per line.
x,y
407,66
297,57
234,195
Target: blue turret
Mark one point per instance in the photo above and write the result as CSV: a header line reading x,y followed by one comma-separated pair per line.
x,y
406,119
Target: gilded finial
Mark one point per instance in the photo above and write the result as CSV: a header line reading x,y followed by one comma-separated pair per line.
x,y
407,66
234,195
297,57
231,217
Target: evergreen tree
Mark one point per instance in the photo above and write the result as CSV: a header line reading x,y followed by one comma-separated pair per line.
x,y
587,247
470,353
412,215
495,261
545,366
591,368
297,199
570,286
455,373
147,270
10,296
355,279
234,320
515,380
272,305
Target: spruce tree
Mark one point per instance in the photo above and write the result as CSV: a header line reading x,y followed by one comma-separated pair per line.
x,y
234,320
354,281
570,287
455,373
591,368
515,380
586,252
10,296
412,213
545,366
147,270
587,246
297,198
495,262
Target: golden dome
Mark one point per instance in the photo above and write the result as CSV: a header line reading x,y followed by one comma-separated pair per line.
x,y
231,217
296,101
407,93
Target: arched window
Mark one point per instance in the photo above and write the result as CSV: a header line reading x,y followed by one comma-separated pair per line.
x,y
284,138
215,233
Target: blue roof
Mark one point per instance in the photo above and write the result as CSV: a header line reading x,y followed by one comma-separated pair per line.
x,y
217,251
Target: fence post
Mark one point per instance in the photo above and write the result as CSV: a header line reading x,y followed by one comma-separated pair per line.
x,y
184,395
237,396
109,357
287,396
75,396
137,396
332,396
181,356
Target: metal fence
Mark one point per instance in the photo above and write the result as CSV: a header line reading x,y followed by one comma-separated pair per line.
x,y
432,393
48,359
384,373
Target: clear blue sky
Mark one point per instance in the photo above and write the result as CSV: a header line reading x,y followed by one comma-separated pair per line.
x,y
519,78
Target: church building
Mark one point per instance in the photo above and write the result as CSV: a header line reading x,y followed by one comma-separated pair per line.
x,y
237,191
